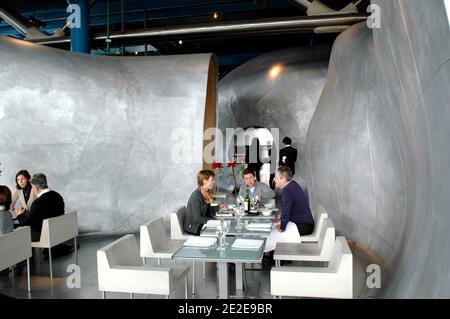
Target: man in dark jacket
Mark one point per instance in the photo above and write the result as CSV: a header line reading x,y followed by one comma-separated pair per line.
x,y
295,207
288,155
296,218
47,204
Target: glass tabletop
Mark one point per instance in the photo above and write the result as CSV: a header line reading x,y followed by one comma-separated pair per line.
x,y
243,231
229,215
229,254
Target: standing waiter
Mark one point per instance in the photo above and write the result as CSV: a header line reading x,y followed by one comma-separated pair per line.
x,y
288,154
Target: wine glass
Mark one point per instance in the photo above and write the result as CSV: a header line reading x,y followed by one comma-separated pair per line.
x,y
220,234
253,202
257,200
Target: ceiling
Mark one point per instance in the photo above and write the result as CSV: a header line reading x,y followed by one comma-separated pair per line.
x,y
128,15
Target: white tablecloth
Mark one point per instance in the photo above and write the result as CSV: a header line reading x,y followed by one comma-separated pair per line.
x,y
290,235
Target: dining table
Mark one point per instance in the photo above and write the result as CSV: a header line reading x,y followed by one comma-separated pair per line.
x,y
231,253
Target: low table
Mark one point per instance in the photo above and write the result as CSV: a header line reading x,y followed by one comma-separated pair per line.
x,y
222,257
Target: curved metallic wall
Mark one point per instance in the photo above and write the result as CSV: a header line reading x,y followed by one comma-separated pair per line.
x,y
120,138
378,144
249,96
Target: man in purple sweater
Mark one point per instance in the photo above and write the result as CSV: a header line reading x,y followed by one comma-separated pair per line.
x,y
295,206
296,219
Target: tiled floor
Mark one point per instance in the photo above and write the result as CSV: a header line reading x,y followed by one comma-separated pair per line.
x,y
14,283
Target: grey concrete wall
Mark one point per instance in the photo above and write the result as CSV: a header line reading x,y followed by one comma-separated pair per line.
x,y
120,138
248,97
378,144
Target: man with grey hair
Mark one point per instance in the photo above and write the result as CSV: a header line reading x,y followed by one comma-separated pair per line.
x,y
296,219
47,204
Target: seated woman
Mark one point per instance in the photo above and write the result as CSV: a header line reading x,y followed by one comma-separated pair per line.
x,y
199,210
6,221
23,194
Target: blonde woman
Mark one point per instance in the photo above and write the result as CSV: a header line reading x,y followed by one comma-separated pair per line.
x,y
198,210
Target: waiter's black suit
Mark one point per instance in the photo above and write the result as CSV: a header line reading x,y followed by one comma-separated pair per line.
x,y
288,156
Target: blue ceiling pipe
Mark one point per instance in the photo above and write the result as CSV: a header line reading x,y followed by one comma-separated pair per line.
x,y
79,32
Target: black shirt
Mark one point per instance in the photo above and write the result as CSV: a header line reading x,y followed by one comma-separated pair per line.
x,y
50,204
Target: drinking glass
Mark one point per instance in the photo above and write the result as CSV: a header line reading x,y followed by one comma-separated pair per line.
x,y
257,200
221,232
253,202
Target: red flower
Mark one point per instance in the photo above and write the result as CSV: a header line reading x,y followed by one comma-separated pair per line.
x,y
231,164
216,165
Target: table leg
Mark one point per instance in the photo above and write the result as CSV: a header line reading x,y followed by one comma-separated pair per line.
x,y
239,276
223,280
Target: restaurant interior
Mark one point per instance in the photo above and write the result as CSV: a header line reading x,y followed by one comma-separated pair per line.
x,y
120,103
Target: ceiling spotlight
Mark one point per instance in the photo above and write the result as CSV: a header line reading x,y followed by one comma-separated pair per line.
x,y
275,71
180,42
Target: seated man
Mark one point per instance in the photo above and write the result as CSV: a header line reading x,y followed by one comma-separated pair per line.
x,y
254,187
296,218
47,204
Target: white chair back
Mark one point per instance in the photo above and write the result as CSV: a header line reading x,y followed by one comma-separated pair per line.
x,y
176,224
57,230
319,224
122,252
342,257
327,238
153,237
319,212
15,247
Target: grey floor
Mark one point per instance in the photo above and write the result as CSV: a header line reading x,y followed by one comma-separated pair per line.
x,y
14,283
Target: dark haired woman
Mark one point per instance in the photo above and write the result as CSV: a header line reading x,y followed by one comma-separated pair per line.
x,y
23,194
198,209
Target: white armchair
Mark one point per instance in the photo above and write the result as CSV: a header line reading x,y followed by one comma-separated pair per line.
x,y
16,247
155,243
320,251
176,224
57,230
177,232
334,281
120,269
320,215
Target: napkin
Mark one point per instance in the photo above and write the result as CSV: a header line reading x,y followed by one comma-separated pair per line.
x,y
241,243
212,223
260,225
200,241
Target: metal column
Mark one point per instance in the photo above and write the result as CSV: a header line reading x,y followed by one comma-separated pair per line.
x,y
79,34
